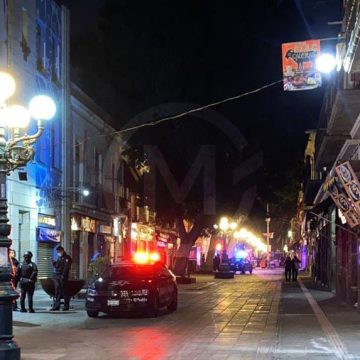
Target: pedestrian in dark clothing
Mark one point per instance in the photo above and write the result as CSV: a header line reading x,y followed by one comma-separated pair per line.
x,y
14,279
295,266
62,268
27,274
288,267
216,262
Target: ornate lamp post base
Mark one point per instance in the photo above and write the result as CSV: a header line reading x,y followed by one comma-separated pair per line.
x,y
9,350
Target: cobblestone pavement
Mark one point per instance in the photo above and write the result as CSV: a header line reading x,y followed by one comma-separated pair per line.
x,y
250,317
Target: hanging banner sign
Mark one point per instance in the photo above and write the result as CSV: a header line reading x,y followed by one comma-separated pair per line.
x,y
344,203
351,185
298,62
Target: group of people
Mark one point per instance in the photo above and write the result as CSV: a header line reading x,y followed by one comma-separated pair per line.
x,y
25,274
292,266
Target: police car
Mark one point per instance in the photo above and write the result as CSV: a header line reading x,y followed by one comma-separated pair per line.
x,y
142,284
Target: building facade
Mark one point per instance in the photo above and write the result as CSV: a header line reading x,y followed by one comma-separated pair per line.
x,y
332,244
34,49
79,191
93,186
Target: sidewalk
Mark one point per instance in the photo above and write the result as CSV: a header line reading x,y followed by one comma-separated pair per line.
x,y
314,323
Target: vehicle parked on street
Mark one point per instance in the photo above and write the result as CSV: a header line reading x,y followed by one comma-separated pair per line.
x,y
241,265
137,285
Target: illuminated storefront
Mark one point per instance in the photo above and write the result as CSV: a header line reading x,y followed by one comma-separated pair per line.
x,y
48,238
142,237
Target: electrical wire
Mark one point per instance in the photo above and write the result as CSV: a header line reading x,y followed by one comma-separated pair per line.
x,y
183,114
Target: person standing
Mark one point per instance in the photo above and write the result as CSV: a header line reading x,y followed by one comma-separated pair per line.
x,y
216,262
14,279
27,274
288,267
62,268
295,267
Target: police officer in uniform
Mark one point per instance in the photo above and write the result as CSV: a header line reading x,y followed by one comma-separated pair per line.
x,y
62,268
27,274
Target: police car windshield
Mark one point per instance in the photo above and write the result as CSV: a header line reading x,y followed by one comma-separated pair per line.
x,y
129,272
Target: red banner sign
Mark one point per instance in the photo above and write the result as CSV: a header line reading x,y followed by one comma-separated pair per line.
x,y
298,62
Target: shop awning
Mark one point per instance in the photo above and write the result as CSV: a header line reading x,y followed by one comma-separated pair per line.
x,y
48,235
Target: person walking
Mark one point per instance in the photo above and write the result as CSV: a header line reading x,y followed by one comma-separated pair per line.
x,y
295,267
288,268
27,274
62,268
14,279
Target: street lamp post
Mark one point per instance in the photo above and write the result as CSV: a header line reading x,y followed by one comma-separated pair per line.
x,y
16,150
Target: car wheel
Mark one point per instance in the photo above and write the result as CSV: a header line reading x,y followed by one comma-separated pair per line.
x,y
92,314
174,303
154,309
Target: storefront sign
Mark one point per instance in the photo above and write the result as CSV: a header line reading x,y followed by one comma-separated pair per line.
x,y
343,202
75,224
105,229
46,220
299,68
116,228
88,224
49,235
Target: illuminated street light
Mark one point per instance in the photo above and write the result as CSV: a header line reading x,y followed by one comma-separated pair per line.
x,y
16,117
16,151
233,225
7,86
325,63
86,192
42,107
224,224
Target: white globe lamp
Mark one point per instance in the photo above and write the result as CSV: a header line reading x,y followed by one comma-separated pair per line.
x,y
42,107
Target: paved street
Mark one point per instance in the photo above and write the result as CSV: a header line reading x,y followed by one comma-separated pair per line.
x,y
251,317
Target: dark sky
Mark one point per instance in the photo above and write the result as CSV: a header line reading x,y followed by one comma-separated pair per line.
x,y
151,53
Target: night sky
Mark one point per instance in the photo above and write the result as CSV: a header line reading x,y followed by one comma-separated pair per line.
x,y
131,56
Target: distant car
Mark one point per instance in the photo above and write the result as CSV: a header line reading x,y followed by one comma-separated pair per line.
x,y
241,265
246,266
131,286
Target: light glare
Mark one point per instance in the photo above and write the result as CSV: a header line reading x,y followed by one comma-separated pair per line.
x,y
17,116
325,63
42,107
7,86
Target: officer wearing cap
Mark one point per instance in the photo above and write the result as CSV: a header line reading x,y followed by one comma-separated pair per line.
x,y
62,268
27,274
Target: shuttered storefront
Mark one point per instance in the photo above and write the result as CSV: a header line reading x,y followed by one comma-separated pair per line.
x,y
44,259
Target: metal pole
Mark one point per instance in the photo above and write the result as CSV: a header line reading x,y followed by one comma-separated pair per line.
x,y
9,350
